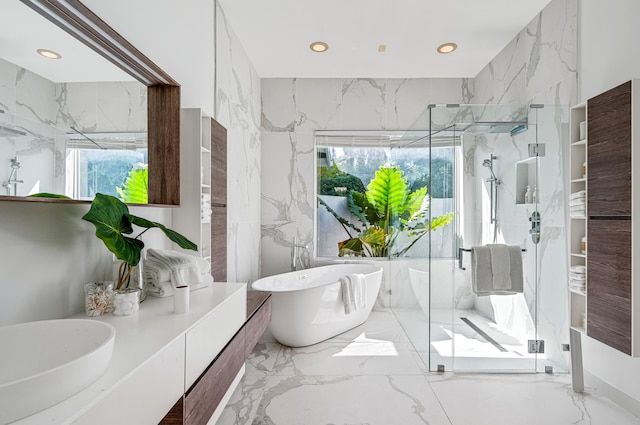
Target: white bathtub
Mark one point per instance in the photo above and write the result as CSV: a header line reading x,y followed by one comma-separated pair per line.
x,y
307,305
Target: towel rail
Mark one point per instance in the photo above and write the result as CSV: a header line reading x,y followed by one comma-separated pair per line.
x,y
460,250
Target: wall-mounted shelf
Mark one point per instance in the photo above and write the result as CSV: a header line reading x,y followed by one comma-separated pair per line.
x,y
577,223
526,170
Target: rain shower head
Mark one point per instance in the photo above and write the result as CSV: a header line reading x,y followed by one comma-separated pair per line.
x,y
487,163
511,127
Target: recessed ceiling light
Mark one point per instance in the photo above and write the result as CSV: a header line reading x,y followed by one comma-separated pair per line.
x,y
447,48
319,46
382,48
50,54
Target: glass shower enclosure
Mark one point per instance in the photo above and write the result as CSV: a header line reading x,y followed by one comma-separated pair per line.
x,y
486,166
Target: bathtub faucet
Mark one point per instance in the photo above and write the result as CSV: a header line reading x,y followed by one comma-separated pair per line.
x,y
295,256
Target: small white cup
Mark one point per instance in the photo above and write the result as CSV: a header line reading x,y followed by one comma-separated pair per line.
x,y
583,130
181,299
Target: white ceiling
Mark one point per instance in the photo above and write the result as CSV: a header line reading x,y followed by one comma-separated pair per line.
x,y
276,35
23,31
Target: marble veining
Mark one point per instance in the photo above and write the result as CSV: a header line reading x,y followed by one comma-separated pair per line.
x,y
238,109
335,382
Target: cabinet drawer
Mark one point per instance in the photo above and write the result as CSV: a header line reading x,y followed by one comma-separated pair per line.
x,y
203,398
609,282
205,341
609,153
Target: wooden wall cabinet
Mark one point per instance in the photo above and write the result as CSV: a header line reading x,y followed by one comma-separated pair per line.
x,y
218,201
613,199
203,174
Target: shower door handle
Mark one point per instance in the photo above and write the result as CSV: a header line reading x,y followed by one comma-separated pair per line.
x,y
535,226
460,251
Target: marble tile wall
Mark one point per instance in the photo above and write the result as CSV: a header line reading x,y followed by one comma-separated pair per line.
x,y
292,109
46,110
237,106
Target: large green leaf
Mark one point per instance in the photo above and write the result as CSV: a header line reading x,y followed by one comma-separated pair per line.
x,y
372,238
387,192
109,215
171,234
48,195
135,188
112,221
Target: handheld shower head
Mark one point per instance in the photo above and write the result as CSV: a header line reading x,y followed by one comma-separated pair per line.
x,y
489,164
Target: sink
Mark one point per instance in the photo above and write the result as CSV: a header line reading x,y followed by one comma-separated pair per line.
x,y
45,362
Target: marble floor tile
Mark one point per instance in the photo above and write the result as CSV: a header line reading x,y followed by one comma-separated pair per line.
x,y
244,402
363,399
348,358
523,399
263,358
381,326
371,376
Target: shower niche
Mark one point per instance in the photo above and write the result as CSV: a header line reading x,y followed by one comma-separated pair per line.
x,y
526,178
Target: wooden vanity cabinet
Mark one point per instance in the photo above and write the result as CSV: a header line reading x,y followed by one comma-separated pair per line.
x,y
203,398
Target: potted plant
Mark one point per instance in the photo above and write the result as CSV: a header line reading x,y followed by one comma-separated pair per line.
x,y
385,211
114,223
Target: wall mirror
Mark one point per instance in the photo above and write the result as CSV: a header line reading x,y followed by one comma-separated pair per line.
x,y
102,118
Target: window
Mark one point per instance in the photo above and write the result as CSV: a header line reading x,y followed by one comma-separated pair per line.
x,y
107,164
360,214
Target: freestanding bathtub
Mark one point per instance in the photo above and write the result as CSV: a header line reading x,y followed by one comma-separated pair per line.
x,y
307,305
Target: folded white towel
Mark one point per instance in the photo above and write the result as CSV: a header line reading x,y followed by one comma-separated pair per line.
x,y
577,276
578,269
579,194
500,266
165,289
496,270
578,290
577,202
184,269
581,283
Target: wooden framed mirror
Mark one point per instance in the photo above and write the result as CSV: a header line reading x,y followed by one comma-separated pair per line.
x,y
162,96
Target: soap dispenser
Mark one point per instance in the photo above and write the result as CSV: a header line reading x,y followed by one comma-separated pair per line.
x,y
527,195
534,196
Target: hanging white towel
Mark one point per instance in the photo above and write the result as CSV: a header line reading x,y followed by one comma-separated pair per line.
x,y
496,270
359,283
348,299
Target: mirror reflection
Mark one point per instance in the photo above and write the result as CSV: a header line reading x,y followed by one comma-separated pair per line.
x,y
71,126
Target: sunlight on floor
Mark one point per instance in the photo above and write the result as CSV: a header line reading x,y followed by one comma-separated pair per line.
x,y
375,349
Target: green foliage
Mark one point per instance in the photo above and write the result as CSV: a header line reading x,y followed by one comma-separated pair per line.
x,y
387,209
335,182
112,221
134,190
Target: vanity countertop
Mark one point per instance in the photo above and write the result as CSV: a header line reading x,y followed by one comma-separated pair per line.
x,y
140,338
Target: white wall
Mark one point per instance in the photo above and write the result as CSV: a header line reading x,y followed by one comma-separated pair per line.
x,y
610,55
609,35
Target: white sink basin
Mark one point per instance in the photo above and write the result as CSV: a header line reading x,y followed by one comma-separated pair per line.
x,y
45,362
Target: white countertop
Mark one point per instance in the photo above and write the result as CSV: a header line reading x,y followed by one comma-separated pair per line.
x,y
138,338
